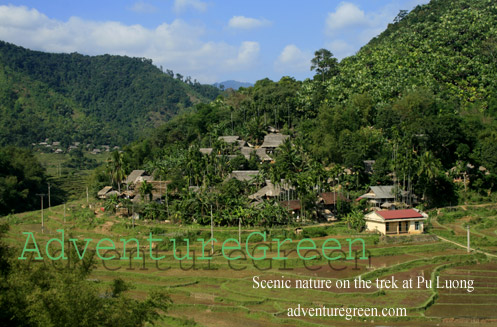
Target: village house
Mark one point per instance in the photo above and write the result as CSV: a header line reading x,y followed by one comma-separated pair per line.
x,y
231,139
106,192
234,142
206,151
328,203
293,206
284,191
263,156
244,175
396,222
135,177
272,141
383,196
247,151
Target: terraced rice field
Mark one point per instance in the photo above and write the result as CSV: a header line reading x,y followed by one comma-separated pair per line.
x,y
222,293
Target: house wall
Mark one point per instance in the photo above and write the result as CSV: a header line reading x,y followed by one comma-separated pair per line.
x,y
374,226
412,227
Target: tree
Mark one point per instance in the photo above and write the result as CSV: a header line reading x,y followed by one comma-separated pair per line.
x,y
355,220
428,170
325,64
115,166
401,15
146,188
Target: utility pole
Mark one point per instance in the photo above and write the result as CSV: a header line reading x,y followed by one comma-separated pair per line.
x,y
167,204
240,230
87,201
41,195
49,203
212,233
469,249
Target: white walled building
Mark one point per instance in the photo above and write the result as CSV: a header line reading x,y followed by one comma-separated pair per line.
x,y
396,222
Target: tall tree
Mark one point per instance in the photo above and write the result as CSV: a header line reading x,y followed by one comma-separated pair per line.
x,y
325,64
428,170
115,166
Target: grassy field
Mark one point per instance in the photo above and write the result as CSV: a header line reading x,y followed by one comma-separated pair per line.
x,y
452,224
220,293
72,181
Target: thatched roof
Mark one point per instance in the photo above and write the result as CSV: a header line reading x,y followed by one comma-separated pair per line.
x,y
246,151
243,175
230,138
382,192
274,140
205,150
271,190
261,153
134,175
104,191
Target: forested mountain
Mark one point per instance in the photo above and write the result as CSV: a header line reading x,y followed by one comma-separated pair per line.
x,y
448,46
102,99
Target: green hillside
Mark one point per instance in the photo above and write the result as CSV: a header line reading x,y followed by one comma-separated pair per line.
x,y
448,46
102,100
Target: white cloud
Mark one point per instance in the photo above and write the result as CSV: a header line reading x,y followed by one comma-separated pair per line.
x,y
182,5
242,22
293,59
346,15
176,45
20,17
247,55
143,7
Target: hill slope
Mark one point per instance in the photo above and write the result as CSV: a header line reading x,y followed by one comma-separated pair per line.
x,y
448,46
71,97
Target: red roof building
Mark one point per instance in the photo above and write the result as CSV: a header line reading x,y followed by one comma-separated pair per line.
x,y
399,214
388,222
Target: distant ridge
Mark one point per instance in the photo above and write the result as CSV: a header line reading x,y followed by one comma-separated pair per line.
x,y
105,99
231,84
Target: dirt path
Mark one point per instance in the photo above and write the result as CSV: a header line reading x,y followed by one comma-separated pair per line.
x,y
465,247
464,207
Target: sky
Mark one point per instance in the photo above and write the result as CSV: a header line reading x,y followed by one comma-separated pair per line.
x,y
209,40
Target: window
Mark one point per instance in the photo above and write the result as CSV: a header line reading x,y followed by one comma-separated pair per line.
x,y
407,226
388,227
416,225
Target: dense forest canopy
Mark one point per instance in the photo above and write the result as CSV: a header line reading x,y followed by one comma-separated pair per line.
x,y
449,47
100,100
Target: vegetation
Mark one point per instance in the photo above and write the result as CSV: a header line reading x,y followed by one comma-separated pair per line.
x,y
419,100
47,296
22,178
97,100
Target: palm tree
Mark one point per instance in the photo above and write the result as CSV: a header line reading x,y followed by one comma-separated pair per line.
x,y
429,168
115,166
